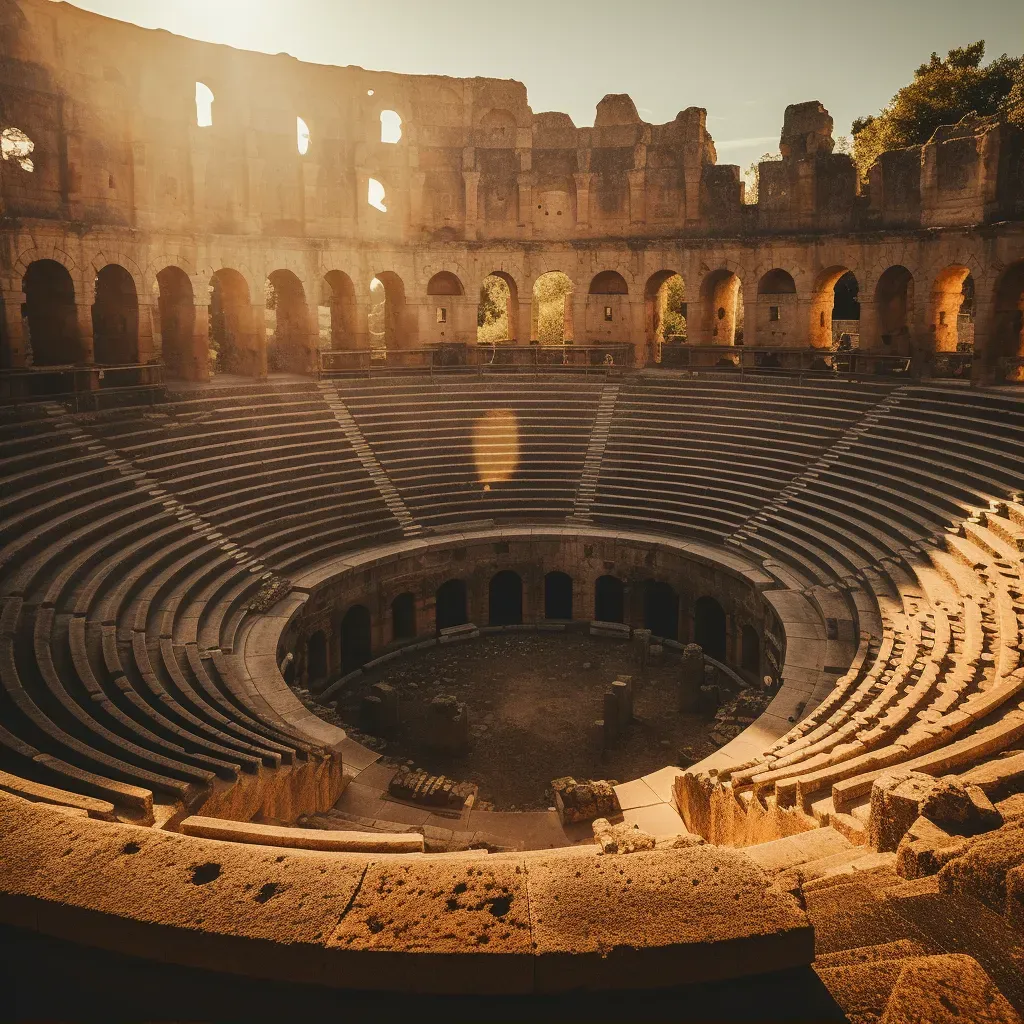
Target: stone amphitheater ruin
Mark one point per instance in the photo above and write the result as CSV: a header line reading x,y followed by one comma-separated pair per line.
x,y
821,484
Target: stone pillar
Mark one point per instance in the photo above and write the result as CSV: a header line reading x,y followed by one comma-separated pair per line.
x,y
526,200
16,351
257,341
642,650
198,365
148,350
86,345
583,183
637,197
447,725
870,339
471,181
576,316
750,318
524,325
691,677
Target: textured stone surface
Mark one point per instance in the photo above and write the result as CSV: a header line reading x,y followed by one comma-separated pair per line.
x,y
621,838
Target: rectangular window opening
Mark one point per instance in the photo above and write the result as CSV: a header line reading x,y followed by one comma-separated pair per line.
x,y
608,314
442,315
773,313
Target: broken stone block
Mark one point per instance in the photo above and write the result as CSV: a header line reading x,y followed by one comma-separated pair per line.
x,y
691,677
621,838
896,799
959,809
623,692
388,708
585,800
431,790
611,718
642,649
447,725
925,849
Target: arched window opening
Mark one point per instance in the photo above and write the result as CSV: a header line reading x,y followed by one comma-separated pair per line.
x,y
497,310
53,334
204,105
952,313
558,596
835,310
390,127
894,304
355,638
664,312
337,311
709,627
722,308
376,195
1008,322
776,302
552,309
286,323
316,660
391,325
233,347
609,282
177,316
304,138
607,313
17,148
776,282
661,609
750,654
403,617
505,599
451,605
609,599
445,283
115,317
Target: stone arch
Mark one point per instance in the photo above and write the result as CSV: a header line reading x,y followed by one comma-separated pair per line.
x,y
234,343
392,322
661,609
709,627
1007,338
505,599
286,324
176,319
54,255
951,316
337,319
894,309
831,287
51,314
105,259
552,310
403,617
721,308
115,317
495,324
609,599
451,604
776,307
356,643
665,311
608,308
558,595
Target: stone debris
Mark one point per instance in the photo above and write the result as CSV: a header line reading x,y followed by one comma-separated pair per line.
x,y
621,838
738,714
691,678
585,800
269,594
430,790
447,725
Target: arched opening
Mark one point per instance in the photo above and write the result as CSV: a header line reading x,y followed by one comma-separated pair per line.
x,y
403,617
376,195
607,313
443,288
609,599
835,310
505,599
664,312
177,315
233,346
204,105
337,311
115,317
391,325
316,660
1008,320
17,148
558,596
952,313
50,311
721,298
776,306
451,608
390,127
445,283
355,638
551,315
661,609
286,321
750,650
497,310
894,305
303,136
709,627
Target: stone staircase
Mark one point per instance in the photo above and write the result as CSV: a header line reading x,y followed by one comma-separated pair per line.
x,y
586,493
369,461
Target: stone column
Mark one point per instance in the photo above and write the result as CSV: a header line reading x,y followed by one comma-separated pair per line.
x,y
16,345
750,318
526,201
870,339
471,180
148,350
583,183
86,344
524,325
198,367
257,341
691,677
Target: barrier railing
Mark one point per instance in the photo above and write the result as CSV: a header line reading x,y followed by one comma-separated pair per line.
x,y
84,387
807,362
480,359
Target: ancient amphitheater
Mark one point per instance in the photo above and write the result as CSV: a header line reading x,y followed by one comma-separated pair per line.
x,y
252,446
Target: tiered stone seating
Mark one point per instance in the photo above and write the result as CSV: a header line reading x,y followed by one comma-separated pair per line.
x,y
468,451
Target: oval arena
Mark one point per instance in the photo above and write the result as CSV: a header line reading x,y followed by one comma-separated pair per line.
x,y
310,371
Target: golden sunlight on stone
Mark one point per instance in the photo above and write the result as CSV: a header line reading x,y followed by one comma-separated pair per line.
x,y
496,446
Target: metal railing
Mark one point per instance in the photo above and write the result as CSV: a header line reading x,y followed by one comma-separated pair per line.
x,y
83,387
476,358
803,362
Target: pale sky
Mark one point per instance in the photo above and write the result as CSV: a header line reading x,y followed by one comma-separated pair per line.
x,y
743,60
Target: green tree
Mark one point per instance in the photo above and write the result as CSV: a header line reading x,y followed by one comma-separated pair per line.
x,y
943,91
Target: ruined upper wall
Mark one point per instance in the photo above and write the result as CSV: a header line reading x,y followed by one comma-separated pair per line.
x,y
111,111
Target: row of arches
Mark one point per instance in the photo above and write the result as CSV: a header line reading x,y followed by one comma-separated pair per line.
x,y
58,330
660,612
